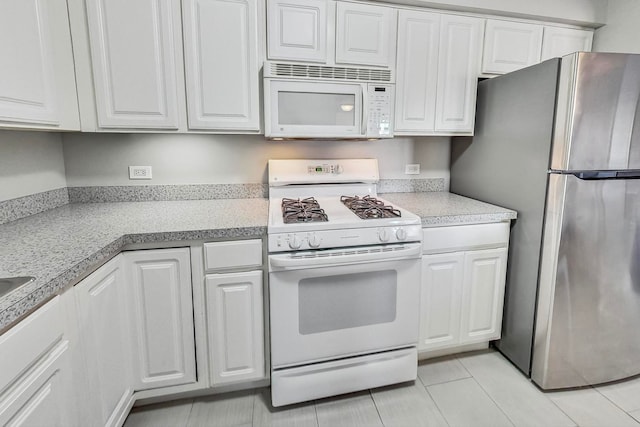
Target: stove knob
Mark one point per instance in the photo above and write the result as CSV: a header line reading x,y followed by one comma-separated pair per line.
x,y
339,169
314,241
383,235
401,233
294,242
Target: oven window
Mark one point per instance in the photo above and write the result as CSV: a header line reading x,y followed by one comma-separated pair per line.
x,y
344,301
316,109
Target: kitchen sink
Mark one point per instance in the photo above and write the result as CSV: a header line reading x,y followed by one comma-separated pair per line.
x,y
8,284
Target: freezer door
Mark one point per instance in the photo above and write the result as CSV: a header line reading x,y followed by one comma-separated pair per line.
x,y
598,124
589,296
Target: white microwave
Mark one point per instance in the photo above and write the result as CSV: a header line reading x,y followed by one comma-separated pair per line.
x,y
317,103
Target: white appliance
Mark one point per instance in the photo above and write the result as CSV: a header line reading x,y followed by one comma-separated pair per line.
x,y
343,290
316,101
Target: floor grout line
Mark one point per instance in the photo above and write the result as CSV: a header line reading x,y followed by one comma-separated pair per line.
x,y
426,388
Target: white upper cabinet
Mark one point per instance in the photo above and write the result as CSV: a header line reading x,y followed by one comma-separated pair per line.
x,y
297,30
136,52
222,64
417,70
365,34
37,78
563,41
509,46
458,69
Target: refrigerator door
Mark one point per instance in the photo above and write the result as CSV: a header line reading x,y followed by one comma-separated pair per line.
x,y
589,295
598,124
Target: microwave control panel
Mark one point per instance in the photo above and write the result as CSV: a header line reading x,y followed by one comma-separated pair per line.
x,y
380,105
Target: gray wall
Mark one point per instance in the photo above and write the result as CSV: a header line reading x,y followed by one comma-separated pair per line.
x,y
30,162
103,159
622,32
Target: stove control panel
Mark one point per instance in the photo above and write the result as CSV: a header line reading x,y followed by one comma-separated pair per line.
x,y
325,168
326,239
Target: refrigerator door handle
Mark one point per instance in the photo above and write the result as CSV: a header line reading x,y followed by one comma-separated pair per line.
x,y
604,174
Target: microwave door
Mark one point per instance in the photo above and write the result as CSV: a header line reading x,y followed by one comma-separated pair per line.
x,y
299,109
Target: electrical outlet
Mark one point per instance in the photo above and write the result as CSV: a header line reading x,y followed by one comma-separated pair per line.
x,y
412,169
139,172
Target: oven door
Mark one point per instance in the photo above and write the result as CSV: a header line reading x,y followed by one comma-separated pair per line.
x,y
343,303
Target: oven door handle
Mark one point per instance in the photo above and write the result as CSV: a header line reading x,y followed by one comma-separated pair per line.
x,y
346,256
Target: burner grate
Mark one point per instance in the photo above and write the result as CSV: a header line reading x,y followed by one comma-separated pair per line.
x,y
368,207
302,210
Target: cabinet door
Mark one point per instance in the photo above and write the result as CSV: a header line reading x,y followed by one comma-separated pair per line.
x,y
509,46
105,341
135,51
159,284
36,384
222,70
235,326
440,300
417,70
365,34
563,41
297,30
37,80
483,295
41,399
458,69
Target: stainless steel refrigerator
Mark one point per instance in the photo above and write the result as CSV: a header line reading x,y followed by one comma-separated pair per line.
x,y
560,143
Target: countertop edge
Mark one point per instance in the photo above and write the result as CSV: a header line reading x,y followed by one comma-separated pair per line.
x,y
26,305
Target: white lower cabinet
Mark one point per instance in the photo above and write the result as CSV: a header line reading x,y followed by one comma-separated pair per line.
x,y
463,290
440,300
483,295
103,323
160,301
35,379
234,306
129,328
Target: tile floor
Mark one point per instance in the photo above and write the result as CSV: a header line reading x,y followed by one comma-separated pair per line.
x,y
473,389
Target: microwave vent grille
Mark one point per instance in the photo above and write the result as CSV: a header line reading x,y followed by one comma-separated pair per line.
x,y
323,72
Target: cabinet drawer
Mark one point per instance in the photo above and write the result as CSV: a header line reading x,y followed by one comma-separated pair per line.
x,y
235,254
25,343
463,237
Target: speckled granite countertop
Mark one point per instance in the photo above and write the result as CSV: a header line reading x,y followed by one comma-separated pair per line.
x,y
61,246
441,208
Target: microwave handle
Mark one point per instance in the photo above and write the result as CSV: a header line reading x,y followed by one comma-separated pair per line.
x,y
365,110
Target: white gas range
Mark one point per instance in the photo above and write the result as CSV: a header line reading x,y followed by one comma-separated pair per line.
x,y
344,270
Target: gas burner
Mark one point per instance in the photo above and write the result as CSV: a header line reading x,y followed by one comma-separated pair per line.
x,y
368,207
305,210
